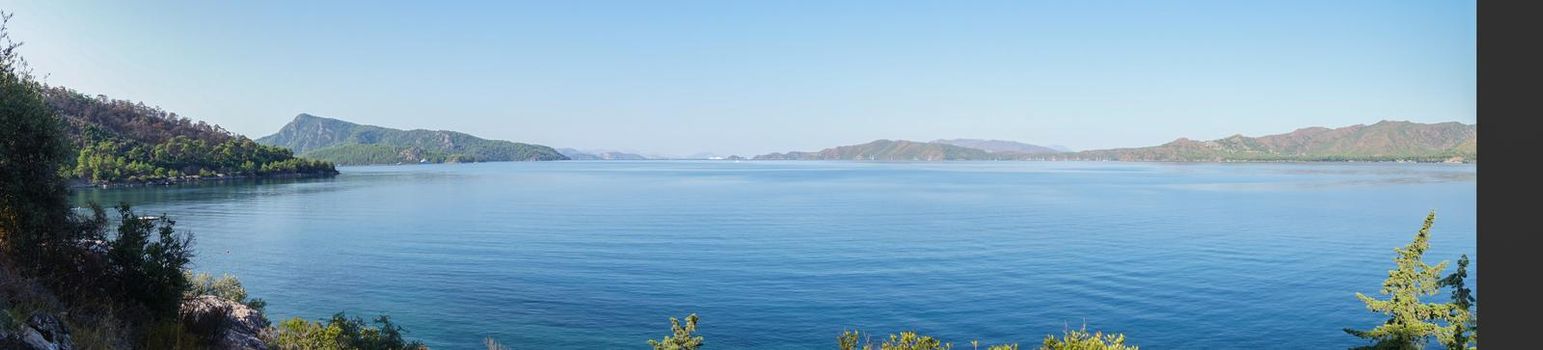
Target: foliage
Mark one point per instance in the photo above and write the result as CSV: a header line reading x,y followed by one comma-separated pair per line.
x,y
120,160
33,198
1411,323
1072,340
150,271
225,287
911,341
1080,339
681,336
340,333
1463,324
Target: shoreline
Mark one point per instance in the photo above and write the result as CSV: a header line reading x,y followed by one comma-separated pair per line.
x,y
194,179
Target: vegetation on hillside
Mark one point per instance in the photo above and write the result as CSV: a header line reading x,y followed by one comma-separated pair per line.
x,y
120,141
347,143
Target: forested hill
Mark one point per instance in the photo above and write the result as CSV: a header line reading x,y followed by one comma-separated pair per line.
x,y
348,143
1382,141
120,141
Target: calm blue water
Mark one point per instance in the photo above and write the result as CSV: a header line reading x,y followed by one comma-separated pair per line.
x,y
785,255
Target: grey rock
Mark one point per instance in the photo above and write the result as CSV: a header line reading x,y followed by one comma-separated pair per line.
x,y
238,326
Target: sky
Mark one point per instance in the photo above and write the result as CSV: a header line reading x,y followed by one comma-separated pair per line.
x,y
743,77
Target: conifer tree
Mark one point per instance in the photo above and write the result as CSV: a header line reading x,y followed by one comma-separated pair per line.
x,y
1411,322
1463,331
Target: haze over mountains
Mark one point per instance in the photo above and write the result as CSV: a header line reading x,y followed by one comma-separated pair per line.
x,y
1382,141
592,154
348,143
1000,146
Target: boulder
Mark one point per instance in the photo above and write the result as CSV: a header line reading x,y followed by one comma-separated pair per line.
x,y
235,325
40,332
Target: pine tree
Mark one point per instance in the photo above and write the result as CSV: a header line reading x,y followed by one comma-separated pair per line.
x,y
1463,331
1410,324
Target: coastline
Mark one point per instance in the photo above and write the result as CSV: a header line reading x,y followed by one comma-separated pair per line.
x,y
194,179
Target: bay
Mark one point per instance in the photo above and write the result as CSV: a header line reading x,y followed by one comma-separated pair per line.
x,y
786,255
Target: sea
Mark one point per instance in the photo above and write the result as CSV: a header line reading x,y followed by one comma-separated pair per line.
x,y
789,254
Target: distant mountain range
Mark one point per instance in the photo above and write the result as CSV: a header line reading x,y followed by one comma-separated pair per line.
x,y
575,154
1383,141
348,143
995,146
889,150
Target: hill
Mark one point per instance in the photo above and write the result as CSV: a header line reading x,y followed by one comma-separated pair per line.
x,y
890,150
119,141
998,146
1383,141
352,144
575,154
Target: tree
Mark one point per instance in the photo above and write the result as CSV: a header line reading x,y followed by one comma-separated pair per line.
x,y
34,198
681,337
1463,325
149,271
1410,324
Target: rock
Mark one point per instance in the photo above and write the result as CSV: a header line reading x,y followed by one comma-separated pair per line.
x,y
41,332
236,325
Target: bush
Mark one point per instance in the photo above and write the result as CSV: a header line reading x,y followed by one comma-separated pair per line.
x,y
1080,339
341,333
225,287
150,272
853,340
681,337
34,198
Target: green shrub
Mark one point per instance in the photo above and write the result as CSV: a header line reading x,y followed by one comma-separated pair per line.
x,y
341,333
149,271
225,287
1080,339
854,340
681,336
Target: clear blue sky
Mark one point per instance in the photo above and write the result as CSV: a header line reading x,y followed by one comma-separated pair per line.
x,y
743,77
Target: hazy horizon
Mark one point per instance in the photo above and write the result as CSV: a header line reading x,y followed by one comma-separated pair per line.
x,y
680,78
